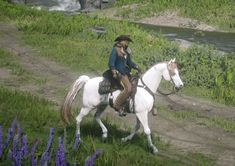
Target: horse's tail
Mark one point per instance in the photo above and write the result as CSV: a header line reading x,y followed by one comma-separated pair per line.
x,y
74,89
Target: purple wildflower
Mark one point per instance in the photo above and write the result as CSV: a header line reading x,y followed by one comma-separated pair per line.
x,y
33,161
77,141
10,133
9,155
18,132
90,161
1,146
13,124
16,154
45,156
24,148
50,139
60,157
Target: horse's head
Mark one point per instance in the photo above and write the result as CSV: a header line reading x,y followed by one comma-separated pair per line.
x,y
172,74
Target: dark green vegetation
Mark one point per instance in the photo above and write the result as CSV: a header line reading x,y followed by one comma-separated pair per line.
x,y
220,13
36,116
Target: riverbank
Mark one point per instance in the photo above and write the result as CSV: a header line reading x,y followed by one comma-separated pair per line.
x,y
171,18
166,18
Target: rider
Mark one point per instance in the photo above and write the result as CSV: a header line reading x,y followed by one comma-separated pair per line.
x,y
120,64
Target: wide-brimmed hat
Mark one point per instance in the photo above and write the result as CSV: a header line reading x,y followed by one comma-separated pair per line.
x,y
123,37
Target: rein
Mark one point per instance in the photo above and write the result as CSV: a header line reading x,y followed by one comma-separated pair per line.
x,y
146,87
166,94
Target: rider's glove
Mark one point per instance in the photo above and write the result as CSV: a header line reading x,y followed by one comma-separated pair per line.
x,y
116,74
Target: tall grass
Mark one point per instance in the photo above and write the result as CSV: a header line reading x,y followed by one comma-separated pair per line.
x,y
37,117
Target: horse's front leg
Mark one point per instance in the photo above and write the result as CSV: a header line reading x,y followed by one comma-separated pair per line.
x,y
98,113
136,128
143,117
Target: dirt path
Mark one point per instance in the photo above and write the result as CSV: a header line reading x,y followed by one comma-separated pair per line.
x,y
184,136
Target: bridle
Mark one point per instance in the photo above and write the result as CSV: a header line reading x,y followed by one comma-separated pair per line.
x,y
171,73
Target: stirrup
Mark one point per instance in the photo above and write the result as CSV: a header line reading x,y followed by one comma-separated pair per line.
x,y
120,112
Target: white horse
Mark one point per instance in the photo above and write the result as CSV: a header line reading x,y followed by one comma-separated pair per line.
x,y
144,98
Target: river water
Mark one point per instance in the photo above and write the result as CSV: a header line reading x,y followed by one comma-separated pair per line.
x,y
220,40
224,42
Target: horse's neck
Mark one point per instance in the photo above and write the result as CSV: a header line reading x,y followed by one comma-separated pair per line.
x,y
153,77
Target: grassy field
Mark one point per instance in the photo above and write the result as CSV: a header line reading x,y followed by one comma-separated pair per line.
x,y
36,116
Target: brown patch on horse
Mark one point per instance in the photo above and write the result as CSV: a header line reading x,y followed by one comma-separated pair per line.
x,y
172,67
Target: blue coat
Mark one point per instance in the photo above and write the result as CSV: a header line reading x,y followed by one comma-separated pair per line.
x,y
120,63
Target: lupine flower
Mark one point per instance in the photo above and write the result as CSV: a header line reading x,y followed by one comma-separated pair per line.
x,y
90,161
10,133
45,156
16,154
1,146
77,141
50,139
18,132
18,158
24,147
33,161
60,157
13,124
9,155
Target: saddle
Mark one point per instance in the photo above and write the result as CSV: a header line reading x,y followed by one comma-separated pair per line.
x,y
110,84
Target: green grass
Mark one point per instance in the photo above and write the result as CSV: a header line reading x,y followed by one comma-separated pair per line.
x,y
36,116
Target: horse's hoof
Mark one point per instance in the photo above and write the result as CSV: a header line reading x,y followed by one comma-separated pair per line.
x,y
123,140
104,139
154,151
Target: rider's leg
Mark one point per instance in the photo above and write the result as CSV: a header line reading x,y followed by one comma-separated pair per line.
x,y
120,100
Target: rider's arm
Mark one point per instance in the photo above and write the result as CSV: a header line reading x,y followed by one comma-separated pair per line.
x,y
112,60
130,63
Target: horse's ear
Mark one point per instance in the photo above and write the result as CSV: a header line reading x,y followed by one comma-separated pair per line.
x,y
172,60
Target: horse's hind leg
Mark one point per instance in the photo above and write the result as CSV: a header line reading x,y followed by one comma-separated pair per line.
x,y
143,117
98,113
84,111
136,128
